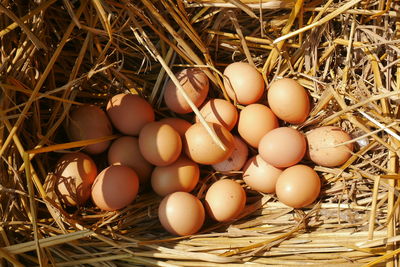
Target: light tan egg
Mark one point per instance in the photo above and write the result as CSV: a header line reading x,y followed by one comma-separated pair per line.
x,y
237,159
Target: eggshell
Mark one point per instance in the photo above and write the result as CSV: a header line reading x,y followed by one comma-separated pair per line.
x,y
181,213
237,159
289,100
282,147
129,113
182,175
225,200
260,176
180,125
75,173
196,85
244,83
201,148
125,151
255,121
220,111
298,186
159,143
322,146
89,122
115,188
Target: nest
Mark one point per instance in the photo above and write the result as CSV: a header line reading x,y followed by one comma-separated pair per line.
x,y
58,54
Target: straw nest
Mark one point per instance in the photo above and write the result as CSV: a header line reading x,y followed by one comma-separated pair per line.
x,y
57,54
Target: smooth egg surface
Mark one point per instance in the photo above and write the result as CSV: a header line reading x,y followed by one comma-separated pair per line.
x,y
220,111
237,158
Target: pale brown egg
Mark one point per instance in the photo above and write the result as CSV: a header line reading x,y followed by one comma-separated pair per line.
x,y
89,122
129,113
181,213
225,200
236,160
195,83
245,83
323,146
255,121
182,175
180,125
260,176
159,143
201,148
75,174
289,100
220,111
115,188
282,147
125,151
298,186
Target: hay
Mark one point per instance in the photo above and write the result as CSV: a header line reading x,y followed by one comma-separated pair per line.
x,y
55,54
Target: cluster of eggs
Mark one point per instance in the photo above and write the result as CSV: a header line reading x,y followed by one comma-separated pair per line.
x,y
167,153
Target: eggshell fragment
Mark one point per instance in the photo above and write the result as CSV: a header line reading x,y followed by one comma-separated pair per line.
x,y
244,82
237,158
323,146
260,176
220,111
282,147
75,173
289,100
255,121
115,188
181,213
225,200
89,122
159,143
129,113
196,85
298,186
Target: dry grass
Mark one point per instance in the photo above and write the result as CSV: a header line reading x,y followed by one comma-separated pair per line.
x,y
56,54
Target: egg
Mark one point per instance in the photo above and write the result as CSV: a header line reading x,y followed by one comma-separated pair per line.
x,y
255,121
180,125
243,82
159,143
201,148
115,187
181,213
75,174
196,85
129,113
220,111
236,160
89,122
260,176
298,186
323,146
225,200
282,147
125,151
182,175
289,100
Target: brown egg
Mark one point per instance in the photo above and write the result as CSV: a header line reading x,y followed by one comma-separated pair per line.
x,y
260,176
129,113
125,151
180,125
289,100
298,186
88,122
201,148
282,147
245,83
115,188
159,143
194,82
323,149
182,175
225,200
255,121
181,213
220,111
237,159
75,173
